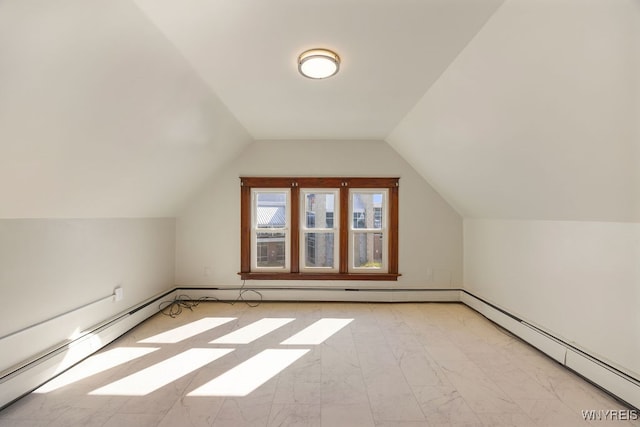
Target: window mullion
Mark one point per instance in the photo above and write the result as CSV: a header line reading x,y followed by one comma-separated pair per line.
x,y
392,226
245,229
295,229
344,229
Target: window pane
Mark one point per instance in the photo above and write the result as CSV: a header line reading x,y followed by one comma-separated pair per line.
x,y
270,249
367,210
319,210
329,219
319,249
271,210
367,250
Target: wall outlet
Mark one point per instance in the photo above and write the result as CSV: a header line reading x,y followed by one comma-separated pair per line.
x,y
118,293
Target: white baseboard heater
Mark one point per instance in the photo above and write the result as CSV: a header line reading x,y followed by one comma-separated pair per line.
x,y
612,380
29,375
24,377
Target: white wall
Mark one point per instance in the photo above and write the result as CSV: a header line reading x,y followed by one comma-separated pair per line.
x,y
208,231
49,267
537,118
578,280
100,116
534,127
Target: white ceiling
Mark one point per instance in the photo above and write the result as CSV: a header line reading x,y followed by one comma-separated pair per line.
x,y
524,109
392,51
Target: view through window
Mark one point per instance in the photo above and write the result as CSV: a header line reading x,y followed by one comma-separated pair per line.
x,y
319,228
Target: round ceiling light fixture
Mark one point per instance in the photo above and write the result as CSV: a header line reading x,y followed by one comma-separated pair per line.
x,y
318,63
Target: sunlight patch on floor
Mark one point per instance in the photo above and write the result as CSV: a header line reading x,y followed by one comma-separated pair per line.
x,y
251,374
94,365
187,331
253,331
317,332
156,376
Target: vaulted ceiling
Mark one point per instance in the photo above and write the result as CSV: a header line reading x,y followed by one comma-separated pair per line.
x,y
538,117
522,109
392,51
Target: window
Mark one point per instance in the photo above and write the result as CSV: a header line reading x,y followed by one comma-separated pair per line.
x,y
270,229
368,235
319,228
320,248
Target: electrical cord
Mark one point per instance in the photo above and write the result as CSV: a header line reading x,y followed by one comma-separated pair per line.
x,y
174,307
248,302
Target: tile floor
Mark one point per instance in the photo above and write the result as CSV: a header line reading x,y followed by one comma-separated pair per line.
x,y
392,365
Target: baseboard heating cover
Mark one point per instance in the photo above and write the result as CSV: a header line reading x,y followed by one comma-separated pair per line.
x,y
27,372
26,377
616,382
35,372
355,294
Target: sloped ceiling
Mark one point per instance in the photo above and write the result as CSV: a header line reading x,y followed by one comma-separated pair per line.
x,y
100,116
517,109
538,117
392,51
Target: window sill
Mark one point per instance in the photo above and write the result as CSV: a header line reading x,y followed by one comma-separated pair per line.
x,y
320,276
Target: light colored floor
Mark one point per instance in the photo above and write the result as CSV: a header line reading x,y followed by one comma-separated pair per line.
x,y
392,365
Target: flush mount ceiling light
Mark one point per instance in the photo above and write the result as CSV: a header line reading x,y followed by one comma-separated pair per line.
x,y
318,63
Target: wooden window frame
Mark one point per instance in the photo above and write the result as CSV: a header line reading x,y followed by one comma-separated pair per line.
x,y
285,231
343,185
383,229
302,230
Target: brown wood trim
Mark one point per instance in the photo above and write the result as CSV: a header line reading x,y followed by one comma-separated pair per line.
x,y
343,184
274,182
320,182
306,182
343,251
357,182
245,229
319,276
294,228
393,230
